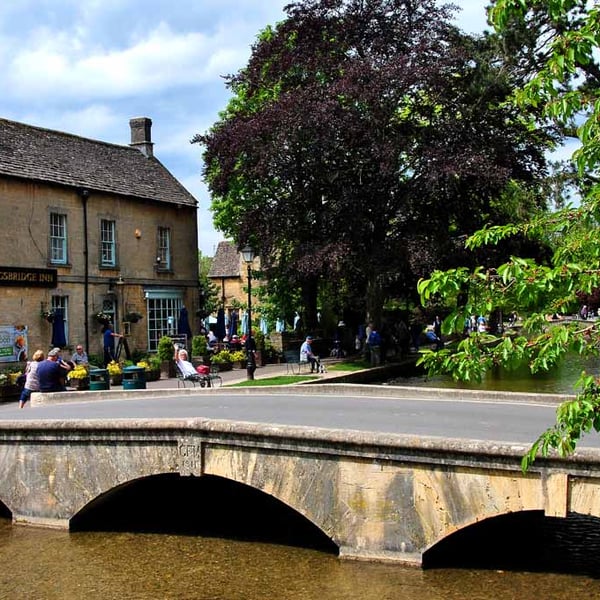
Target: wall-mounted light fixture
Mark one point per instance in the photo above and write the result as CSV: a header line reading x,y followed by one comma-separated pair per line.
x,y
138,233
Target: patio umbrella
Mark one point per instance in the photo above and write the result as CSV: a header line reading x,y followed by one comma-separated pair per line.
x,y
183,325
220,326
264,328
233,324
58,329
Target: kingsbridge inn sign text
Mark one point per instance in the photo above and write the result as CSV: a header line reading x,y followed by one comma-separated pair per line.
x,y
24,277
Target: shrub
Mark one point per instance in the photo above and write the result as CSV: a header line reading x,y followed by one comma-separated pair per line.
x,y
199,345
238,356
222,357
165,348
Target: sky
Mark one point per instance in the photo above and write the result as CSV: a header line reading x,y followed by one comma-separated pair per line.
x,y
88,66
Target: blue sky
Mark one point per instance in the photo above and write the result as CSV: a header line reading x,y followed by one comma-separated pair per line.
x,y
87,66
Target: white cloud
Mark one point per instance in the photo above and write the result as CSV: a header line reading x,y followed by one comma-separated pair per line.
x,y
87,67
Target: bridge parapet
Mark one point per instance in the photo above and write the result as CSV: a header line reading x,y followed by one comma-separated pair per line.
x,y
383,497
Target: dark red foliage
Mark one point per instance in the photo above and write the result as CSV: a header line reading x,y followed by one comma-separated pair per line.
x,y
363,139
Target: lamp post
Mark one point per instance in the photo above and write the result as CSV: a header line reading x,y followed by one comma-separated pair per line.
x,y
248,256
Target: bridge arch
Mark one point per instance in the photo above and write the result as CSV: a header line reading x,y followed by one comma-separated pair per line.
x,y
524,540
5,512
207,505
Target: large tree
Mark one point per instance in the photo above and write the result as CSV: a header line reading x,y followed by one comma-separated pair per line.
x,y
564,87
363,139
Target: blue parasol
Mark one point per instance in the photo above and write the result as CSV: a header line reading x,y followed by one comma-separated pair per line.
x,y
244,324
220,326
58,329
183,325
264,328
233,324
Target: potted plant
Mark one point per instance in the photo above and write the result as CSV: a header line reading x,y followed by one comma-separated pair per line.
x,y
9,390
132,317
79,378
259,338
48,314
102,317
152,367
115,373
223,360
165,352
238,357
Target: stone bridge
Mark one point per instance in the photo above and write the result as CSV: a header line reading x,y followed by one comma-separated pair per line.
x,y
377,497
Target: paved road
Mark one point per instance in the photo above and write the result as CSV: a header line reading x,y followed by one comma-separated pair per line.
x,y
423,414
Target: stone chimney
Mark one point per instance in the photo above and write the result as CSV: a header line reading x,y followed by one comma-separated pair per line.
x,y
141,135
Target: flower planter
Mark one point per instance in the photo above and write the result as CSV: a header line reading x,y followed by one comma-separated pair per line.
x,y
153,375
226,366
9,392
167,369
81,385
116,379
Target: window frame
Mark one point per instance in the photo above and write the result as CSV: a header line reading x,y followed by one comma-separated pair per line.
x,y
58,240
111,244
163,249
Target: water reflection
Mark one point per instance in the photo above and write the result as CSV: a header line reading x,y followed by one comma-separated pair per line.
x,y
560,380
47,564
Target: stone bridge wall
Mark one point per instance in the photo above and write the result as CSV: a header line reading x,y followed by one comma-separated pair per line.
x,y
379,497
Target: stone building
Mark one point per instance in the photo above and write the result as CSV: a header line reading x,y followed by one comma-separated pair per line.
x,y
91,229
229,274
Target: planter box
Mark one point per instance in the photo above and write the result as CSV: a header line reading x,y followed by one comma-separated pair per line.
x,y
167,369
116,379
10,392
223,366
81,385
153,375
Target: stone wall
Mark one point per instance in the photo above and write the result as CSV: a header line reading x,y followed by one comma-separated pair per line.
x,y
378,497
25,243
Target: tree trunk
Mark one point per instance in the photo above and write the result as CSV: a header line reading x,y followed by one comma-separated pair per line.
x,y
309,300
374,300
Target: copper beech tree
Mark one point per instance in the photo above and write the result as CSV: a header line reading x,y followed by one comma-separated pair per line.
x,y
361,141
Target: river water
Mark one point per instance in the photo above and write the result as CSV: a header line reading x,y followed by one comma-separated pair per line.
x,y
560,380
136,561
48,565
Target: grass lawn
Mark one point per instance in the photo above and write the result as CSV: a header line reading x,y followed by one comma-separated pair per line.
x,y
279,380
349,365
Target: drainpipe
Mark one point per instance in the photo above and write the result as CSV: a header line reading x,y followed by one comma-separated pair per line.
x,y
84,194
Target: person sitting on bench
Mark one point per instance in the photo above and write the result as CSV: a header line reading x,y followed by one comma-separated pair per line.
x,y
307,355
185,366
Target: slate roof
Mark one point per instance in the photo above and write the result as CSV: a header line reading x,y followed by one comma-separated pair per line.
x,y
226,261
44,155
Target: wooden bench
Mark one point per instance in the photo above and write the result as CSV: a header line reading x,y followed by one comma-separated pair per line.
x,y
292,361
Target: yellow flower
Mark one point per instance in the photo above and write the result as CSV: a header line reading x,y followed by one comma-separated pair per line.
x,y
79,372
114,368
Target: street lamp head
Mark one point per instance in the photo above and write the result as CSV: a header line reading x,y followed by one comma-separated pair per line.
x,y
247,254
